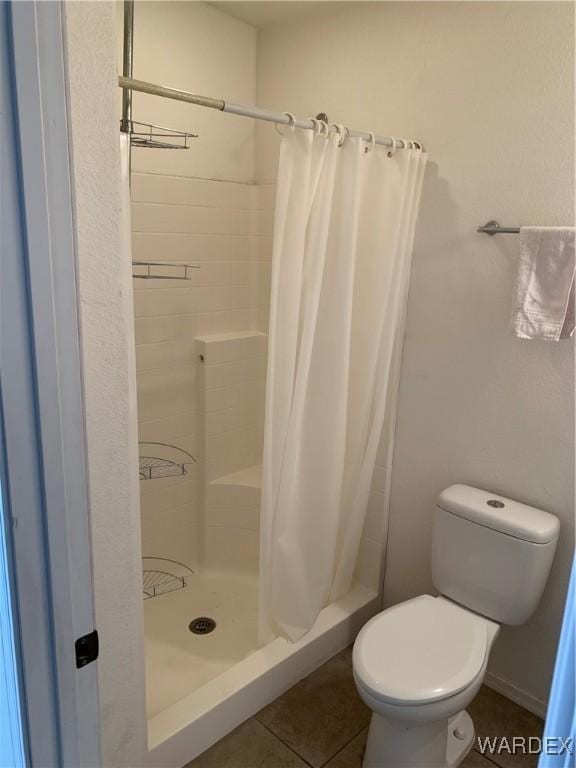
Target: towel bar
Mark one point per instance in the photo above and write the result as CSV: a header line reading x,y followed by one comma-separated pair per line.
x,y
493,228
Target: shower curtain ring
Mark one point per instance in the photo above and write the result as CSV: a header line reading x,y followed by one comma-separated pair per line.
x,y
320,126
394,146
292,122
371,143
341,131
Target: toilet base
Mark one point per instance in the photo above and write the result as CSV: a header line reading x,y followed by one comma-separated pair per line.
x,y
460,739
440,744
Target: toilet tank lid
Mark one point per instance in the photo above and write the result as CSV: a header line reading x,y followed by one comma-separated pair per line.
x,y
499,513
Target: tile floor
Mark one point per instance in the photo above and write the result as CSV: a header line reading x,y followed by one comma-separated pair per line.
x,y
322,723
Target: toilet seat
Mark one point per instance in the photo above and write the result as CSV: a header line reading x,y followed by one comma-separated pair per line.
x,y
420,651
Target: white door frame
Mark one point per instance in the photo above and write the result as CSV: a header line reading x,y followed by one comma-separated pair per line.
x,y
43,452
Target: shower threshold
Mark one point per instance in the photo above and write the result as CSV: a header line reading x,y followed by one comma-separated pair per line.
x,y
188,727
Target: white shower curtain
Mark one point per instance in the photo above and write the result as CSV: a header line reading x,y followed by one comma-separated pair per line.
x,y
343,236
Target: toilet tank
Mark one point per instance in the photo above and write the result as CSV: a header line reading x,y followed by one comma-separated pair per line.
x,y
492,554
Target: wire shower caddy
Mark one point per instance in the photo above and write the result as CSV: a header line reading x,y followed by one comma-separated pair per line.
x,y
162,270
159,460
160,575
152,136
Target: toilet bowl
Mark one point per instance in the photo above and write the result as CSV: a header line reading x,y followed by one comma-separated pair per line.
x,y
419,664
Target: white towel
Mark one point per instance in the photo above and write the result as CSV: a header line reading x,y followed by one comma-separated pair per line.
x,y
544,296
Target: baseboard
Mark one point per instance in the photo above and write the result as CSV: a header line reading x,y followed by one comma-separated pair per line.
x,y
524,699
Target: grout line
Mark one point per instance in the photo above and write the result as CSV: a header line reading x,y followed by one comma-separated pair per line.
x,y
182,288
223,410
202,206
229,526
210,312
195,314
175,415
176,482
207,287
251,184
192,314
184,339
189,368
250,427
208,179
283,742
345,746
164,367
202,234
244,261
486,757
150,233
244,507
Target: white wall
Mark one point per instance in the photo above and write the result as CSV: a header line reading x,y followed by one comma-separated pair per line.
x,y
194,47
488,87
107,340
106,297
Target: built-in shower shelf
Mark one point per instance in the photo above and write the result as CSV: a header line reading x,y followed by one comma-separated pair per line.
x,y
161,576
159,460
249,477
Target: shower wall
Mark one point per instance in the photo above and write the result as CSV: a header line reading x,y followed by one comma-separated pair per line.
x,y
200,379
187,330
195,47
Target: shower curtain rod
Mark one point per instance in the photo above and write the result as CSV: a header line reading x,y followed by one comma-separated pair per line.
x,y
129,84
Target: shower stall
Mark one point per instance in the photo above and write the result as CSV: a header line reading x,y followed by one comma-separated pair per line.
x,y
201,348
208,364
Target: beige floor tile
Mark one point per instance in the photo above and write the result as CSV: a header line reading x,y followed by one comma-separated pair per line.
x,y
249,746
496,716
320,715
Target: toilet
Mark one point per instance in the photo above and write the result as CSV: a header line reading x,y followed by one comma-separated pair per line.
x,y
419,664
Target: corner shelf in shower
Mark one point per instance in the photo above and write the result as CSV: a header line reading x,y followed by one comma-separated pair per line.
x,y
158,460
162,270
161,576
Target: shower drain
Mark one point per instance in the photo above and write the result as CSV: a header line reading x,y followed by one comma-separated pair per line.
x,y
203,625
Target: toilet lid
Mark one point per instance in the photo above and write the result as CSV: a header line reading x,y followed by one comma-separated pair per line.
x,y
423,650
